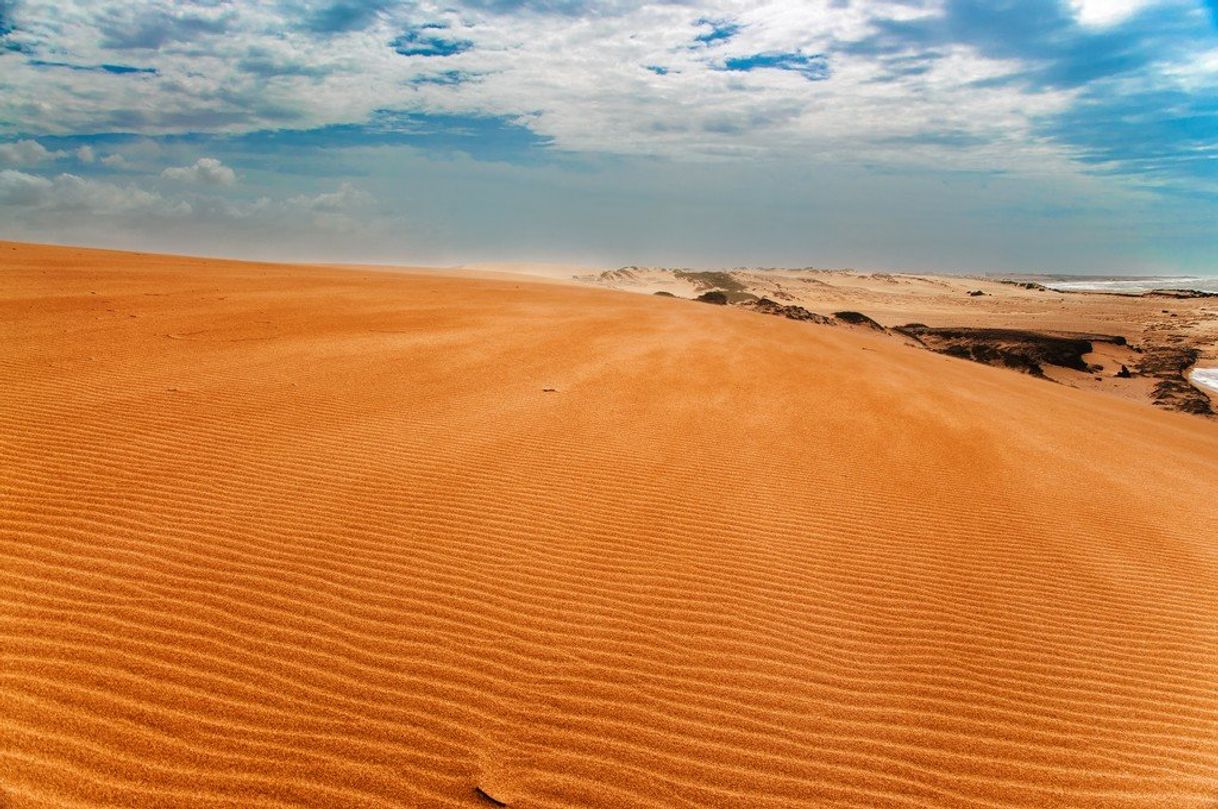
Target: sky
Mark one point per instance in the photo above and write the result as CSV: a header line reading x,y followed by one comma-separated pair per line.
x,y
905,135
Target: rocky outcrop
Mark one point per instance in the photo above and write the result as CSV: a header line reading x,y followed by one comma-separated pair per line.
x,y
724,281
663,294
858,319
715,296
1179,294
769,307
1173,391
1026,351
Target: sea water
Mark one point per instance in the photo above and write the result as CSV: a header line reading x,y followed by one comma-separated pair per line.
x,y
1205,378
1136,285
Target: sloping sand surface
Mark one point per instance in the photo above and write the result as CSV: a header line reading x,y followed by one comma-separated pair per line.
x,y
278,536
1159,331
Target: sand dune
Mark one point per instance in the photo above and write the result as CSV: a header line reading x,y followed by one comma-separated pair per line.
x,y
283,536
1163,335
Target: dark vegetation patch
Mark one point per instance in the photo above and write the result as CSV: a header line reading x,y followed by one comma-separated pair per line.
x,y
711,280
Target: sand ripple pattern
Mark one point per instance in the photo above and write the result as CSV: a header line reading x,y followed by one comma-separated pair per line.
x,y
281,536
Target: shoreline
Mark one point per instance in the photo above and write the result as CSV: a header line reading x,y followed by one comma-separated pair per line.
x,y
1153,339
1205,377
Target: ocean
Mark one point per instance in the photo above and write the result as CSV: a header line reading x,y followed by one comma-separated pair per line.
x,y
1136,285
1205,378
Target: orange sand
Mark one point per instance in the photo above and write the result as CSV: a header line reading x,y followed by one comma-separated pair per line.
x,y
284,536
944,301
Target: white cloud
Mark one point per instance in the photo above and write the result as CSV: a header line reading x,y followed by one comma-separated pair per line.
x,y
1106,12
70,193
578,80
114,161
345,210
85,154
306,226
346,198
26,153
19,188
27,195
205,171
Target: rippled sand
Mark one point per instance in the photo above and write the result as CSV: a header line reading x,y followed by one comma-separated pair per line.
x,y
287,536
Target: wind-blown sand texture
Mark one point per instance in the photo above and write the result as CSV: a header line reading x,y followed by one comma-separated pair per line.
x,y
1152,323
286,536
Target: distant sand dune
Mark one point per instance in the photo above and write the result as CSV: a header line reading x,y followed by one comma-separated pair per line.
x,y
336,546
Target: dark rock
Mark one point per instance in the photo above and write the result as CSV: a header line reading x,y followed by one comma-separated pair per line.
x,y
858,319
664,294
1170,365
488,797
1026,285
1026,351
714,296
1180,294
1166,362
976,293
1123,373
1181,396
769,307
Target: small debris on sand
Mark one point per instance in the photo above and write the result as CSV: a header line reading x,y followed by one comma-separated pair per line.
x,y
486,796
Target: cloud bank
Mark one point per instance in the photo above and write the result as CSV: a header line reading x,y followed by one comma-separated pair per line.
x,y
1116,98
206,171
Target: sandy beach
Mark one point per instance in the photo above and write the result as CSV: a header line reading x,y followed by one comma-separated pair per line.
x,y
283,535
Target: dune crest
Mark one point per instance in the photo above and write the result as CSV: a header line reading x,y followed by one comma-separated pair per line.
x,y
295,536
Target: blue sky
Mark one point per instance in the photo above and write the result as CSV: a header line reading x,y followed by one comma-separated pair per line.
x,y
956,135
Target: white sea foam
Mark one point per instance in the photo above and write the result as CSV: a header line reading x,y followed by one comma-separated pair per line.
x,y
1205,378
1136,285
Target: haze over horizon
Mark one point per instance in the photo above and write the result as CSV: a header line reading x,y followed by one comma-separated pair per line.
x,y
1062,136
